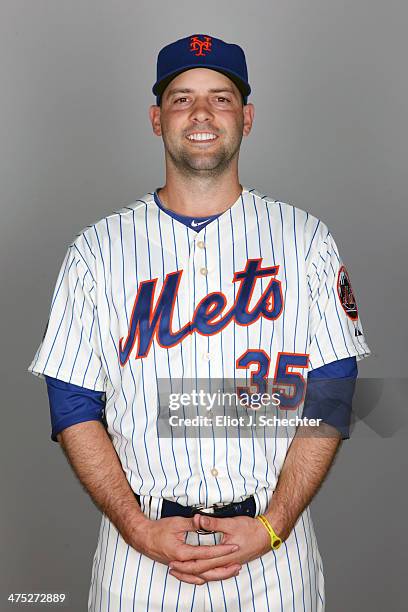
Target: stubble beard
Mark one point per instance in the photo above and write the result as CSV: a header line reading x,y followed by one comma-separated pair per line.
x,y
205,164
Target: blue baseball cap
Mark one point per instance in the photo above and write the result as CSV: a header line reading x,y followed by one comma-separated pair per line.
x,y
201,51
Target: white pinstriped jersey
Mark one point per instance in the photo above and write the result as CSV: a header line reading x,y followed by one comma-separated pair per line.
x,y
98,333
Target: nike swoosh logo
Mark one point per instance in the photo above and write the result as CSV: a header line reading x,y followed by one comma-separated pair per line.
x,y
195,224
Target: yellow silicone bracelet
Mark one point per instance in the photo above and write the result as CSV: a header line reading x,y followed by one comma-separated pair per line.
x,y
275,539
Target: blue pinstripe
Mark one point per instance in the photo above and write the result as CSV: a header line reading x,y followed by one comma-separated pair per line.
x,y
74,246
177,302
136,584
123,578
279,582
311,242
159,213
145,430
235,358
294,350
113,565
265,583
117,316
121,421
94,583
290,575
302,517
116,415
324,315
209,364
314,553
272,334
205,501
297,277
69,328
57,290
182,362
260,327
252,588
284,300
88,245
192,603
154,356
131,368
283,344
308,562
221,583
82,329
104,564
300,567
248,343
59,326
222,363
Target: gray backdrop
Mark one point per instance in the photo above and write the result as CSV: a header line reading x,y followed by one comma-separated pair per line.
x,y
330,93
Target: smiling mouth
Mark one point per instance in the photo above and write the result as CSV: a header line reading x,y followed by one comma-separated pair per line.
x,y
202,137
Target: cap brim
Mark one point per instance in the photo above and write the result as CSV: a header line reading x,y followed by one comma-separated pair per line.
x,y
161,85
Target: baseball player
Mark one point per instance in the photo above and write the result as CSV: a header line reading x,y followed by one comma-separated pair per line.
x,y
202,279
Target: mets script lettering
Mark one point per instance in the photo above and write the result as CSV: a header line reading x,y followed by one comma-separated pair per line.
x,y
149,320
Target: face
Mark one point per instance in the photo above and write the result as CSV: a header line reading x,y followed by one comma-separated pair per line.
x,y
202,120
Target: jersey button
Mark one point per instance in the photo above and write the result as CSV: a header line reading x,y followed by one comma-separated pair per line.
x,y
204,271
207,356
214,472
201,244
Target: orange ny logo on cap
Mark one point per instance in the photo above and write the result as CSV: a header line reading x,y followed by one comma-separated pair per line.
x,y
198,45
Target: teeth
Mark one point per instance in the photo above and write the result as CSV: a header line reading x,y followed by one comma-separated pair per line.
x,y
203,136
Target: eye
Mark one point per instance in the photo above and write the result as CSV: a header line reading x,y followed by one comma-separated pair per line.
x,y
222,99
183,98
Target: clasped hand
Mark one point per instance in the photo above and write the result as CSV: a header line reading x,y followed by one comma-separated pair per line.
x,y
243,539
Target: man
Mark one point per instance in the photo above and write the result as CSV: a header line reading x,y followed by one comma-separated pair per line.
x,y
202,279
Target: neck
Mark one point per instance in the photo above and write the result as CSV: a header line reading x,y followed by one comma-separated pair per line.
x,y
202,196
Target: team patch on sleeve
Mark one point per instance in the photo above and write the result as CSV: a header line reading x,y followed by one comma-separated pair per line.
x,y
346,295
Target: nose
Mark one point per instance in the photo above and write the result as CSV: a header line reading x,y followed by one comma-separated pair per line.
x,y
201,112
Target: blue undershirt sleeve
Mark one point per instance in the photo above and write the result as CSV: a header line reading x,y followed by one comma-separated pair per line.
x,y
71,404
329,394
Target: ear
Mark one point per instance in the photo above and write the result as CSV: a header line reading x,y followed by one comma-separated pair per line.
x,y
154,114
249,113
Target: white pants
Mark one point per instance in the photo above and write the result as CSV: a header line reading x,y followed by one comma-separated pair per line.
x,y
288,580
